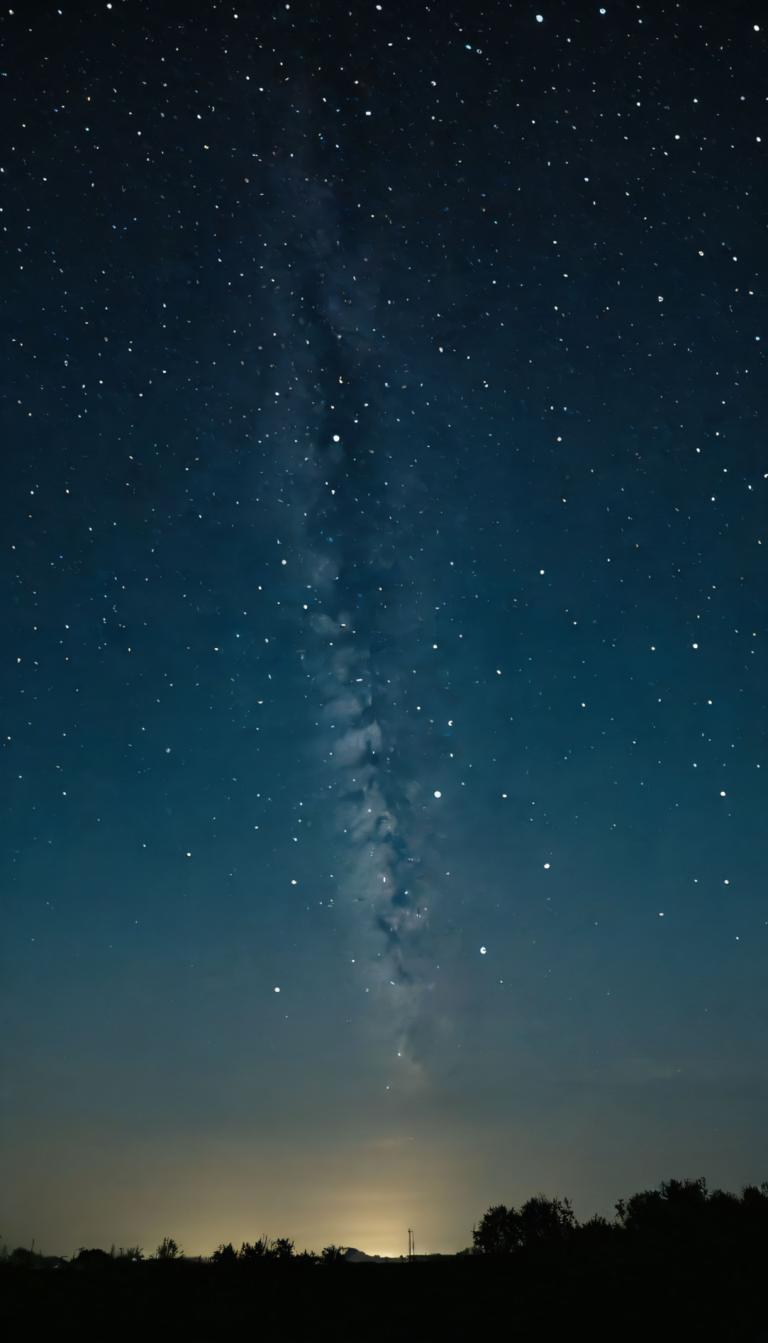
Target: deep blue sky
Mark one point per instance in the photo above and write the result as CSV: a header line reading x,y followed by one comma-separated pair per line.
x,y
384,593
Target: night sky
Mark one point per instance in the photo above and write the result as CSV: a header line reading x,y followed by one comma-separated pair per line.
x,y
384,678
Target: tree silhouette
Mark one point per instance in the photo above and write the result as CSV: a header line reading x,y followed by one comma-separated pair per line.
x,y
675,1209
540,1220
754,1203
545,1219
498,1232
282,1248
168,1249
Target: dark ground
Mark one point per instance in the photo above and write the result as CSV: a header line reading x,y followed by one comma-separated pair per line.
x,y
453,1299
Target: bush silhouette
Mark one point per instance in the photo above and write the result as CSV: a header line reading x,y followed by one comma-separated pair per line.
x,y
93,1259
226,1255
252,1252
333,1254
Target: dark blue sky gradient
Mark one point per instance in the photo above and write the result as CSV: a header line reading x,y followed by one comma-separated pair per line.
x,y
384,404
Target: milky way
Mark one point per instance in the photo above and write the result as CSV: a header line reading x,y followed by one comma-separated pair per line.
x,y
348,539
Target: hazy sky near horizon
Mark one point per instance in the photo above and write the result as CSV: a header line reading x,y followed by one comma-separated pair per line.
x,y
384,678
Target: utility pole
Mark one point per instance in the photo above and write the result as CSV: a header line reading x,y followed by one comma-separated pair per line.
x,y
411,1246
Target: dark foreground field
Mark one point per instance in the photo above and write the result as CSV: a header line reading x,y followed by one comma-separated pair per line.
x,y
599,1296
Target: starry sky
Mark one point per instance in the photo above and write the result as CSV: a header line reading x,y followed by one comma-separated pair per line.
x,y
384,590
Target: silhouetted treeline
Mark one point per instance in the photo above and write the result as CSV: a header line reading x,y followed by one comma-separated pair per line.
x,y
680,1215
678,1262
259,1252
